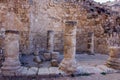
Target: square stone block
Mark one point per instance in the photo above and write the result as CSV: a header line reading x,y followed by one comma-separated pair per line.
x,y
55,55
54,70
47,56
43,72
22,71
32,71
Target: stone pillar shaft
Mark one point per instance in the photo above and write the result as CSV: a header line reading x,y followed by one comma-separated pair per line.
x,y
91,42
69,63
11,63
50,42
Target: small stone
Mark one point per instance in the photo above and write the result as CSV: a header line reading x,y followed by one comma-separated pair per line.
x,y
55,55
37,59
54,63
47,56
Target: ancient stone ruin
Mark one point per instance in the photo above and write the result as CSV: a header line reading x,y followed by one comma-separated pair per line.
x,y
48,37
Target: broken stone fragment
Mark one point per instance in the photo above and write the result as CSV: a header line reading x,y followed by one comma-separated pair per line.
x,y
47,56
54,63
55,55
37,59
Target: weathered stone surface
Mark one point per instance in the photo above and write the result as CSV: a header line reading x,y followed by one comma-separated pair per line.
x,y
43,71
47,56
68,64
37,59
11,63
114,59
55,55
54,70
32,71
50,39
88,69
114,54
54,63
22,71
106,69
50,14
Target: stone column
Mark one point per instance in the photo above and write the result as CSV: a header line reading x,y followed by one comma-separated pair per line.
x,y
11,64
68,64
37,57
50,45
114,58
114,52
91,43
50,41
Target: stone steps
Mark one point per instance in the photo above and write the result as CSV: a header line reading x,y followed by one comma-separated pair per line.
x,y
55,72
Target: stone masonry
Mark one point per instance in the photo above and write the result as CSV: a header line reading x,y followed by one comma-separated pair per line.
x,y
11,63
114,54
69,64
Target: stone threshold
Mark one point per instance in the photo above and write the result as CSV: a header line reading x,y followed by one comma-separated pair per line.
x,y
55,72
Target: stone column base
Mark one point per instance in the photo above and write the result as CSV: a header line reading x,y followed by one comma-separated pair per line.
x,y
68,65
113,63
10,67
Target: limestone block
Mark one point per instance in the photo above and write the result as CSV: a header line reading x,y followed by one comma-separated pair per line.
x,y
114,58
50,43
22,71
106,69
68,65
47,56
88,69
0,71
70,40
37,59
11,64
54,63
43,71
69,51
54,71
55,55
32,71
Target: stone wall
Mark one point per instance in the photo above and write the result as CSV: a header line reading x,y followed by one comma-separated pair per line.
x,y
39,16
51,15
15,16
